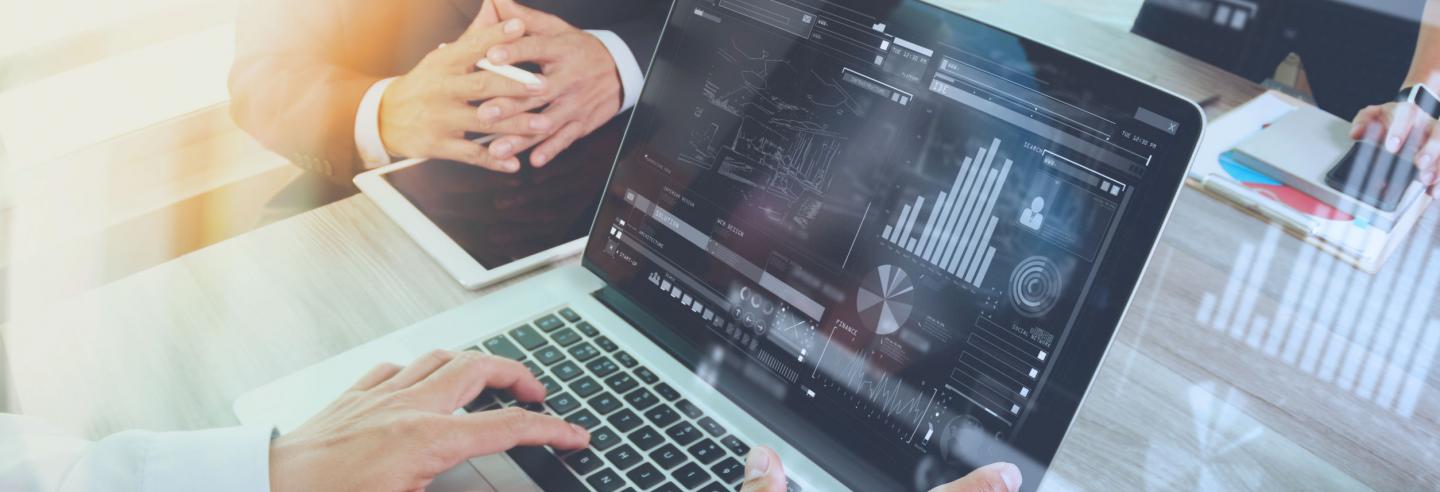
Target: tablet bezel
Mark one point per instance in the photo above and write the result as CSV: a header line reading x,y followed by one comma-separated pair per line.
x,y
464,268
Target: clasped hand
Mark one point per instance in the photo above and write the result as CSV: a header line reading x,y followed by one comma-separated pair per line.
x,y
428,111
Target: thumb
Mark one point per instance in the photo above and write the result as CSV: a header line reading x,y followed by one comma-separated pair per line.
x,y
994,477
488,14
763,471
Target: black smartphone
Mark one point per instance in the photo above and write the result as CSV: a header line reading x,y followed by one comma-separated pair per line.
x,y
1375,177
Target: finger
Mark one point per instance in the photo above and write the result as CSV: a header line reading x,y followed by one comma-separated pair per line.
x,y
563,139
543,22
994,477
1364,119
499,108
377,375
521,124
417,370
488,14
461,380
483,85
1404,119
763,471
538,49
471,45
494,431
508,146
462,150
1425,159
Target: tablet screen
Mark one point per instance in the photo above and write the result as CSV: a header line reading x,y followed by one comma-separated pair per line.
x,y
497,217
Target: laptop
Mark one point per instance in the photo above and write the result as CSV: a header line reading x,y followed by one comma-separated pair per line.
x,y
885,239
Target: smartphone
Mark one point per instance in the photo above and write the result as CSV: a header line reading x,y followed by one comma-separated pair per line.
x,y
1375,177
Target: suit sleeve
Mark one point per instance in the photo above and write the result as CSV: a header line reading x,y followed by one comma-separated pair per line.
x,y
35,457
291,87
642,32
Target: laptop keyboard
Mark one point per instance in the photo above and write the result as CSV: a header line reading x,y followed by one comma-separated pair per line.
x,y
644,435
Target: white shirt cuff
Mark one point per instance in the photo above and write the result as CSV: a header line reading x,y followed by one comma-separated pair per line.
x,y
220,460
632,79
367,127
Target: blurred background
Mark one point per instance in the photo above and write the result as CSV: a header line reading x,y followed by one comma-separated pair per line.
x,y
117,151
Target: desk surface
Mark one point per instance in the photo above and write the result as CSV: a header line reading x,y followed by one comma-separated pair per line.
x,y
1248,360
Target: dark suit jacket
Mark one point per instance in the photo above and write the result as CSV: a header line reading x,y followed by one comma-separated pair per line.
x,y
302,66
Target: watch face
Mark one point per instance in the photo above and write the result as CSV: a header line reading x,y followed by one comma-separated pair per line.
x,y
1427,101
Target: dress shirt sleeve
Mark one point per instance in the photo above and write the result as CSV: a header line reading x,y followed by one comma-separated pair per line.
x,y
367,127
36,457
632,78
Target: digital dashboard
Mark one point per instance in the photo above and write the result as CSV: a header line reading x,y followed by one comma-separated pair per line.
x,y
889,220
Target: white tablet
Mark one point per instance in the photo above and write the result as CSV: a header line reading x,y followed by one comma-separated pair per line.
x,y
483,226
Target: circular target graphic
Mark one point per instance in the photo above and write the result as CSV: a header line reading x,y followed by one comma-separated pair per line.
x,y
1035,286
885,299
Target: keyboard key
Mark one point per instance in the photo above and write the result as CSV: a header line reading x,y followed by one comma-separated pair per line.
x,y
588,329
584,418
729,470
791,486
666,392
606,481
533,367
647,437
584,461
683,433
533,406
646,376
548,471
481,403
706,451
562,403
567,370
641,399
623,457
624,420
711,426
549,355
713,487
689,409
504,396
602,367
645,476
668,487
551,387
549,323
565,337
621,382
570,315
502,347
603,439
662,416
528,337
583,351
584,387
735,445
605,403
668,456
690,475
606,344
625,359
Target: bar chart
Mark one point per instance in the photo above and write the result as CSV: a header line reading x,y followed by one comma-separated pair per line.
x,y
957,232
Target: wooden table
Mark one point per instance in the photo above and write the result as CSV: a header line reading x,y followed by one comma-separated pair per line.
x,y
1248,360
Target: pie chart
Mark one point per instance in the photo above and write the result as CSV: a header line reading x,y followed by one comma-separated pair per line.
x,y
885,299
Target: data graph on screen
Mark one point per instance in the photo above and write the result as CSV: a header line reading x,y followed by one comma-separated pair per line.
x,y
957,232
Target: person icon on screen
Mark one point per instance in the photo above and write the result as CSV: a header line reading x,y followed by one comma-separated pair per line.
x,y
1033,217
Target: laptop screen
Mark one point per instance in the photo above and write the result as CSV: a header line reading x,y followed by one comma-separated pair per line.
x,y
901,238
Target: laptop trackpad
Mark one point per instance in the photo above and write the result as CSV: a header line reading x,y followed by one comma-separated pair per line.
x,y
462,478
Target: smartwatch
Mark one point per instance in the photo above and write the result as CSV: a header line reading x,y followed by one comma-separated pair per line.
x,y
1421,96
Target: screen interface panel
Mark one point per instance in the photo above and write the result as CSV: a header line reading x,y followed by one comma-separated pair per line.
x,y
896,215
